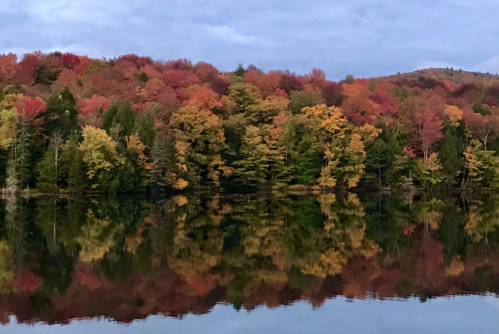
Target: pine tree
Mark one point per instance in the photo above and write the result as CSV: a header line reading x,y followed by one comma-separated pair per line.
x,y
73,166
48,169
163,154
18,172
61,114
452,161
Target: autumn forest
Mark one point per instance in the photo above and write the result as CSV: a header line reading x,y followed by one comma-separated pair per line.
x,y
69,123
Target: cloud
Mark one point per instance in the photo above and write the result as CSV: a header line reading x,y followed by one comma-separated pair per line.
x,y
366,38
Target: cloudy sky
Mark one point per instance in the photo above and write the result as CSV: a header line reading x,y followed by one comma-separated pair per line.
x,y
362,37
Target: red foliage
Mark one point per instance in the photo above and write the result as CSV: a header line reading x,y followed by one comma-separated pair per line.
x,y
281,93
70,60
290,82
429,126
27,281
89,280
150,71
31,106
220,85
25,73
155,90
201,285
83,65
179,64
138,61
179,79
103,86
387,102
127,69
93,104
205,72
7,66
267,82
360,109
317,78
332,93
67,78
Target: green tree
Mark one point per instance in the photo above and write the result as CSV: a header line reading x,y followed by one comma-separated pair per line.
x,y
18,166
450,157
301,99
145,128
119,120
61,116
73,167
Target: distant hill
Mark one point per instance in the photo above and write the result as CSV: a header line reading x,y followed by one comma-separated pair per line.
x,y
457,77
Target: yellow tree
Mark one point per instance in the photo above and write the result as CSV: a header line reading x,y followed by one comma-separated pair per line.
x,y
344,152
99,153
9,118
199,139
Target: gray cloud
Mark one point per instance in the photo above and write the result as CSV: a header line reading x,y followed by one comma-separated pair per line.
x,y
365,38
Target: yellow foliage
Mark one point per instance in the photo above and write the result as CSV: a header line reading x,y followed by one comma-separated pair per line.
x,y
95,239
332,118
180,184
180,200
10,99
455,268
133,143
8,124
473,163
368,132
454,113
6,268
94,145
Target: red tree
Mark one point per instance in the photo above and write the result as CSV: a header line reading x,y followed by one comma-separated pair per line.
x,y
70,60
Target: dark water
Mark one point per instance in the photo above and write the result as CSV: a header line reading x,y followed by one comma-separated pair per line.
x,y
316,263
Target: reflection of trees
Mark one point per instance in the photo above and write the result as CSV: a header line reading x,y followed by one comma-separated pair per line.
x,y
96,237
342,237
482,220
128,258
197,239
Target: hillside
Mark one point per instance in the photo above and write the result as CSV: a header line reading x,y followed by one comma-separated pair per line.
x,y
69,123
457,77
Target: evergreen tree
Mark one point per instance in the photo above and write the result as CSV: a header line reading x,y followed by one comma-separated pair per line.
x,y
18,171
163,155
376,154
73,166
119,120
48,169
61,116
452,161
145,128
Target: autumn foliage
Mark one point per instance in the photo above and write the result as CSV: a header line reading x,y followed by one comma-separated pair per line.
x,y
200,126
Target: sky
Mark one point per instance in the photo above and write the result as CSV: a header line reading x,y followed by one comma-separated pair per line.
x,y
457,315
365,38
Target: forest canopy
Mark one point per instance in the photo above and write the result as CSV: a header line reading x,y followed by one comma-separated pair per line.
x,y
131,124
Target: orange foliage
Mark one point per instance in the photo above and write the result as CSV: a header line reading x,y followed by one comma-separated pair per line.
x,y
204,98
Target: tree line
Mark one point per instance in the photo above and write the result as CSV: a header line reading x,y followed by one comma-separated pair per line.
x,y
74,124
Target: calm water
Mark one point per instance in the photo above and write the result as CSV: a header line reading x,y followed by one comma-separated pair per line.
x,y
212,263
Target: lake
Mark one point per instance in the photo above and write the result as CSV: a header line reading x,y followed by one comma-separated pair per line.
x,y
250,263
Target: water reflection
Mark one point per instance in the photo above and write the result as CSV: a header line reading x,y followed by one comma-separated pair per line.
x,y
128,258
